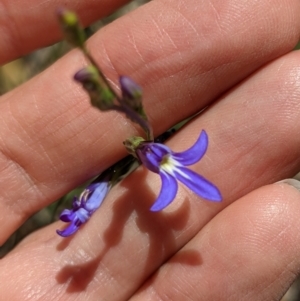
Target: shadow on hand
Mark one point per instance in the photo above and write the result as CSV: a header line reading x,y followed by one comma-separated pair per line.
x,y
79,275
159,227
187,257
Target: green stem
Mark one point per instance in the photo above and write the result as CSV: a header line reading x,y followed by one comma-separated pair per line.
x,y
123,107
104,79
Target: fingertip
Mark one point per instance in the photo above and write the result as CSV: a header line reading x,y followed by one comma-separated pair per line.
x,y
291,182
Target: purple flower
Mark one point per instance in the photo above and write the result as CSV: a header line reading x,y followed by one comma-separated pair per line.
x,y
171,167
83,207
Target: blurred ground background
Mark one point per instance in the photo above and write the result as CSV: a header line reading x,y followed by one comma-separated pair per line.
x,y
19,71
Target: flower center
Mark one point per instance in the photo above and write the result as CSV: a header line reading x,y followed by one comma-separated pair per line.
x,y
168,164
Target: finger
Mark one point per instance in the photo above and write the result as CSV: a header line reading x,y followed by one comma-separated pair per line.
x,y
125,229
141,240
250,251
238,160
62,135
28,25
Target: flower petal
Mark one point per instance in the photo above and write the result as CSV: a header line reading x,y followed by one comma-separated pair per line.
x,y
94,185
167,192
76,203
71,229
198,184
67,215
149,160
151,154
83,215
160,150
97,196
195,153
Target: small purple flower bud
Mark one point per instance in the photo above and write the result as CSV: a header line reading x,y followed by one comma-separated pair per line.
x,y
130,89
88,77
100,95
132,104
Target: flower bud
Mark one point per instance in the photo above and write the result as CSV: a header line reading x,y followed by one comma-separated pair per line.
x,y
100,95
71,27
132,95
89,77
130,89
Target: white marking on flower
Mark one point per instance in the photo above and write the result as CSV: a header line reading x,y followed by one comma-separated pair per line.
x,y
170,165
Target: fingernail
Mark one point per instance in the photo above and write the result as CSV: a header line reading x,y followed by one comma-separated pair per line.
x,y
293,182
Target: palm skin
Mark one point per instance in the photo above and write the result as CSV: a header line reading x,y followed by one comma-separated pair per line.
x,y
233,55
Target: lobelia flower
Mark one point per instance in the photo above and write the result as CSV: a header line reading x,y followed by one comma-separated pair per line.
x,y
83,207
171,167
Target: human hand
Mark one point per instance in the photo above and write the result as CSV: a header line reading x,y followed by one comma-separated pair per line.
x,y
185,55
